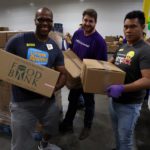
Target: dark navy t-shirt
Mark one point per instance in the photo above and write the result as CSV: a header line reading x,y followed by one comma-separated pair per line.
x,y
47,53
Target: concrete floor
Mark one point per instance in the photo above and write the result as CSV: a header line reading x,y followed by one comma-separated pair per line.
x,y
101,137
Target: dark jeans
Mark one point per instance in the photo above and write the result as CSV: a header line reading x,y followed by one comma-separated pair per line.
x,y
73,104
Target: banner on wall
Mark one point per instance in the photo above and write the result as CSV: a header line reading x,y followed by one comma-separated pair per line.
x,y
146,10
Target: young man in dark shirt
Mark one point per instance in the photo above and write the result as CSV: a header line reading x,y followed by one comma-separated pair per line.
x,y
126,99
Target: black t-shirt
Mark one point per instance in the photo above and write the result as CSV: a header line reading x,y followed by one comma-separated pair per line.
x,y
42,53
132,59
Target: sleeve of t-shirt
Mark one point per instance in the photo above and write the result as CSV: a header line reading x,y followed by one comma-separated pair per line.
x,y
100,50
11,44
72,41
145,58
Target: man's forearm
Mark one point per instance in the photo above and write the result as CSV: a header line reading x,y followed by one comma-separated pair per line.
x,y
61,81
143,83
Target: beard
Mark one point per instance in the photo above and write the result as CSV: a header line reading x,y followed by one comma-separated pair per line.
x,y
88,29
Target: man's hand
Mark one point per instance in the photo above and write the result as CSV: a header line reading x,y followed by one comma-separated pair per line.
x,y
62,77
115,90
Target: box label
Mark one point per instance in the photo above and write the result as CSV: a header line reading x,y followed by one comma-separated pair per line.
x,y
23,73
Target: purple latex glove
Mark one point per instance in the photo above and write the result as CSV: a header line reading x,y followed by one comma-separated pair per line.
x,y
115,90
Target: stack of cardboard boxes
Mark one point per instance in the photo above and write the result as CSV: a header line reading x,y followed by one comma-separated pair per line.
x,y
6,35
4,29
112,43
5,96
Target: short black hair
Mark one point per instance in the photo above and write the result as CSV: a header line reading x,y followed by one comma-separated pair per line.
x,y
136,14
90,12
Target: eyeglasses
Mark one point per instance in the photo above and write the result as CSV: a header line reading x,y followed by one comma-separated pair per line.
x,y
41,20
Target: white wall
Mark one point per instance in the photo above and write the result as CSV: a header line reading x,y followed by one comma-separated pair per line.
x,y
19,14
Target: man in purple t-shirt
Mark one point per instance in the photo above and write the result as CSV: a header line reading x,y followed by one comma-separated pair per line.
x,y
86,43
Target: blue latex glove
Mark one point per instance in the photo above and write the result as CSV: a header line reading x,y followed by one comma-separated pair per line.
x,y
115,90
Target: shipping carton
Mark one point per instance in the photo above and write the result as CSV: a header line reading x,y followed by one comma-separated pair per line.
x,y
73,65
25,74
110,38
4,28
6,35
3,39
96,76
5,96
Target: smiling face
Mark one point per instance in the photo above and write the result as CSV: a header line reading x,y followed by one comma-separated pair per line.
x,y
88,24
43,22
133,30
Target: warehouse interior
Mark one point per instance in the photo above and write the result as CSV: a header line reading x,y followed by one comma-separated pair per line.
x,y
18,16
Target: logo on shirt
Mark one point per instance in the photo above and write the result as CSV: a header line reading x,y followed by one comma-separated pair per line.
x,y
121,49
81,43
30,44
125,58
128,58
37,56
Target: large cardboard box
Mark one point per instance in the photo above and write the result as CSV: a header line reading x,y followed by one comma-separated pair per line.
x,y
112,48
4,28
6,35
5,96
110,38
3,39
23,73
73,65
96,76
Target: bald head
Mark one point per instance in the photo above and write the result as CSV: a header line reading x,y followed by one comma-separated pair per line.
x,y
43,10
43,22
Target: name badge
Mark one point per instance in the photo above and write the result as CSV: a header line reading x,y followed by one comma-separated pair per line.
x,y
49,46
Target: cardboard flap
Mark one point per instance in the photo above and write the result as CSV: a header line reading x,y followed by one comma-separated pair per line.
x,y
103,65
92,63
72,63
75,59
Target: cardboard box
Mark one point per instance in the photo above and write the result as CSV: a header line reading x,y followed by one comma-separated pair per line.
x,y
110,38
4,28
5,96
96,76
73,65
28,75
112,48
6,35
3,39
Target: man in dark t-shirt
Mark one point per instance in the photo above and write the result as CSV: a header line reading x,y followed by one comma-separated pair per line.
x,y
28,107
134,58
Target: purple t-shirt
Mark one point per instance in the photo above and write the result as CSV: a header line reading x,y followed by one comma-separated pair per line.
x,y
91,47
